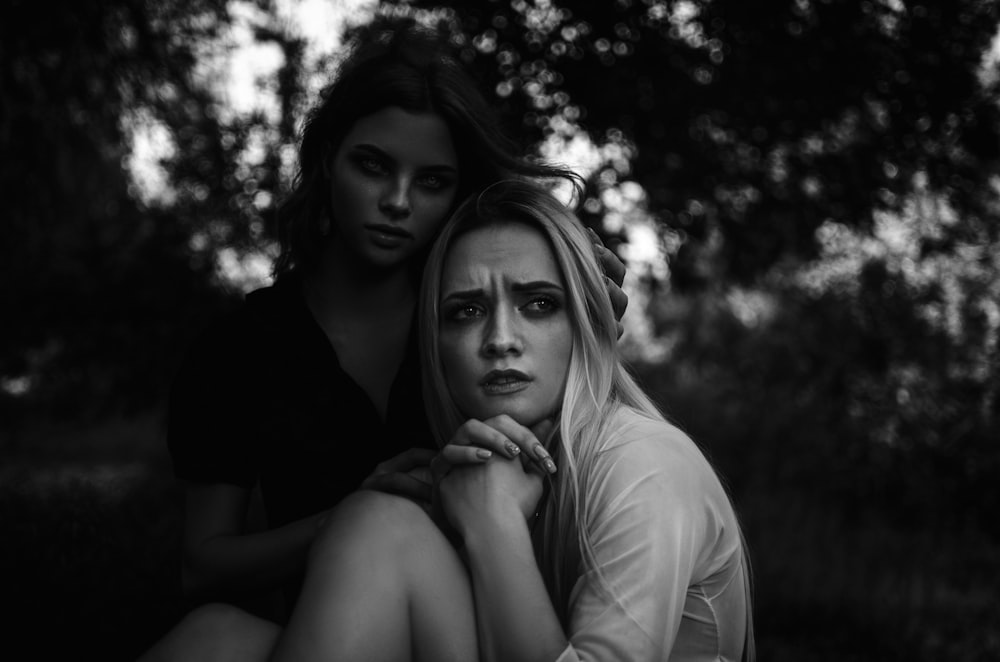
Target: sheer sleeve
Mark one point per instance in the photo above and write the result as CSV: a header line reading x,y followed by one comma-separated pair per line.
x,y
656,522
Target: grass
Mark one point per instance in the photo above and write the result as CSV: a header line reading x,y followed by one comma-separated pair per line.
x,y
90,523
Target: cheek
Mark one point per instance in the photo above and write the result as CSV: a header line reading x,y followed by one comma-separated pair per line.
x,y
457,377
457,357
348,191
558,351
432,212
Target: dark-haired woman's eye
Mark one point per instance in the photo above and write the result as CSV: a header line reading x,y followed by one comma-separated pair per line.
x,y
435,182
371,165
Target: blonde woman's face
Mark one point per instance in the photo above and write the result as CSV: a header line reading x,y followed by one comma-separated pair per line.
x,y
505,334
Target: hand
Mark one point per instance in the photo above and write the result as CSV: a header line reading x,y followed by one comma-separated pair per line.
x,y
476,441
478,495
614,276
407,474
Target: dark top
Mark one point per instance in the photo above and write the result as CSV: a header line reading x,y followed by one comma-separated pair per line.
x,y
261,397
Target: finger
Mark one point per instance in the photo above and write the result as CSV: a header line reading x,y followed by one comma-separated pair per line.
x,y
612,265
525,440
543,430
408,459
478,433
619,300
457,454
422,474
440,466
400,484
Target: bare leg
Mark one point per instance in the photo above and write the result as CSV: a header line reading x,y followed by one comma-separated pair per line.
x,y
383,584
215,632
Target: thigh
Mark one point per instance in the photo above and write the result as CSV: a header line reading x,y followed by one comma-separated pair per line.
x,y
216,632
382,583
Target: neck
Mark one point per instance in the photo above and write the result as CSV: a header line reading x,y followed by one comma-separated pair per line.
x,y
340,285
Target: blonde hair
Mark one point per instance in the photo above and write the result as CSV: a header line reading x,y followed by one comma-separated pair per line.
x,y
598,382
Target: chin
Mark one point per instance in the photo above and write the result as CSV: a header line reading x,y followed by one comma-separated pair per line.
x,y
526,417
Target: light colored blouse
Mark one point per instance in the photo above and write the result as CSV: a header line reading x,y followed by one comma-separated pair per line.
x,y
666,538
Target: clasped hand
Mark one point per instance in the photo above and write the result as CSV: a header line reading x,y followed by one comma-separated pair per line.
x,y
418,473
490,468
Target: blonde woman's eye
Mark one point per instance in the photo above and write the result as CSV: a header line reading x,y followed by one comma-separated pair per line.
x,y
469,311
463,313
543,305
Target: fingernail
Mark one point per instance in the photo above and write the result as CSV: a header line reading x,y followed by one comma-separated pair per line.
x,y
512,448
483,454
549,465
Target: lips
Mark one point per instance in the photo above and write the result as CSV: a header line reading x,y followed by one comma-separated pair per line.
x,y
503,382
389,237
391,230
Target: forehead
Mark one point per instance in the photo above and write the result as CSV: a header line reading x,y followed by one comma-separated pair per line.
x,y
512,251
419,137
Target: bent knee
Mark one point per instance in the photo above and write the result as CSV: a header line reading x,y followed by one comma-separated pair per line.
x,y
216,632
375,517
215,617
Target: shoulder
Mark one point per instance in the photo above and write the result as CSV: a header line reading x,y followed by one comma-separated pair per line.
x,y
639,442
647,460
260,311
226,341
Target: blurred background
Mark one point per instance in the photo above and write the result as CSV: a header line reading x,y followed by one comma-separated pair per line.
x,y
806,192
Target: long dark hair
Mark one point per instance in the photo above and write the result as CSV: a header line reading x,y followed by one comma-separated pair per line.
x,y
394,61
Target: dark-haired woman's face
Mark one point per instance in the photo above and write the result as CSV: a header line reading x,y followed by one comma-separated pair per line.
x,y
393,181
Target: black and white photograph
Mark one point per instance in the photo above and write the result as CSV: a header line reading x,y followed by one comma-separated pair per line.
x,y
500,330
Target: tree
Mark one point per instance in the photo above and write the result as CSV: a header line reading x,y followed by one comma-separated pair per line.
x,y
96,282
749,125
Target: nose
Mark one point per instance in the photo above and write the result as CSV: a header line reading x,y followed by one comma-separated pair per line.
x,y
395,199
502,336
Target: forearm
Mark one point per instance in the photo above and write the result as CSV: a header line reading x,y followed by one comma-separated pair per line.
x,y
247,563
515,617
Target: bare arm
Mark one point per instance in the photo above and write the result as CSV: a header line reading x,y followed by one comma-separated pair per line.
x,y
490,504
219,555
516,620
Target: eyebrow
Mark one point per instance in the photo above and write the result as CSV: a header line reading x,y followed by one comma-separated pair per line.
x,y
529,286
368,147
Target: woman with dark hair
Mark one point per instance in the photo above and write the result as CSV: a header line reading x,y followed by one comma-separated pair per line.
x,y
311,389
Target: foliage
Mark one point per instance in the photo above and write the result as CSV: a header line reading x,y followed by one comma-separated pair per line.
x,y
103,287
748,128
749,125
